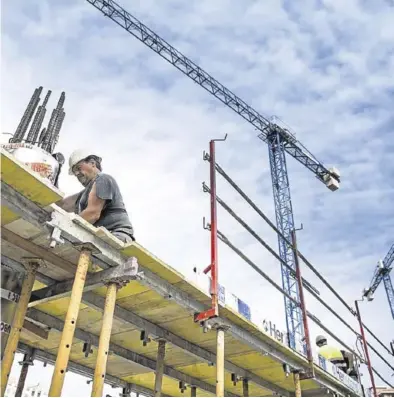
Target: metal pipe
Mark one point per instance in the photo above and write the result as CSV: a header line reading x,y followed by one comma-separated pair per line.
x,y
27,361
213,267
366,349
63,354
17,323
302,303
161,351
220,362
297,384
105,337
245,387
214,239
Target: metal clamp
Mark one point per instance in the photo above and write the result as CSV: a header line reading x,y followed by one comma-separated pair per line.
x,y
55,237
145,338
87,348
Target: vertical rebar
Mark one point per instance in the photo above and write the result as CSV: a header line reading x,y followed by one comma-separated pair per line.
x,y
27,116
37,121
63,353
17,324
366,349
220,362
105,337
159,367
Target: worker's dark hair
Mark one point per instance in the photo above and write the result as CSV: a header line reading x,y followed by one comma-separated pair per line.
x,y
96,160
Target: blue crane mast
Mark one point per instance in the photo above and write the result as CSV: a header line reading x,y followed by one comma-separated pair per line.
x,y
279,141
382,272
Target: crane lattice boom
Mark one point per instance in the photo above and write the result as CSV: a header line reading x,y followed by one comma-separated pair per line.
x,y
382,272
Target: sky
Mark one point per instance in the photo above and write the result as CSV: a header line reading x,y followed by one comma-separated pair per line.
x,y
324,68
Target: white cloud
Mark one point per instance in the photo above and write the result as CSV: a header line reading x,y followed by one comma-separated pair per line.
x,y
326,71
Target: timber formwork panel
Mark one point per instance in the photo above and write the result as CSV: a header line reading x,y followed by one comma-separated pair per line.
x,y
147,300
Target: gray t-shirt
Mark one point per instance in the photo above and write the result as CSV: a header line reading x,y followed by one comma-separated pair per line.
x,y
114,216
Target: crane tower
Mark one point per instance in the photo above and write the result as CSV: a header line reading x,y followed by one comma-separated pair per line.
x,y
382,272
280,141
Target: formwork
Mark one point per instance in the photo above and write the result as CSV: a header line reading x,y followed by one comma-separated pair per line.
x,y
153,316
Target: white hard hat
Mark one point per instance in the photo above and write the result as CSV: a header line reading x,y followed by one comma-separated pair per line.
x,y
77,156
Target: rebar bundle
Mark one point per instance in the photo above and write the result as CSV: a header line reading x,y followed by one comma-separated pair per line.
x,y
47,137
54,125
27,116
37,121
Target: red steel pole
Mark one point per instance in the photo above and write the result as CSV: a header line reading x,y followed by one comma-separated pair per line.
x,y
214,233
213,267
302,302
366,349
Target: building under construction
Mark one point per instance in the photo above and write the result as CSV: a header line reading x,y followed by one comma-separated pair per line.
x,y
75,296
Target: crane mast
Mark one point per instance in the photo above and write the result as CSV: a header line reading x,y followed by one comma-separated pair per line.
x,y
279,141
382,273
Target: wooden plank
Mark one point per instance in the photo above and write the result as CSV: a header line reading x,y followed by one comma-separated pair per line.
x,y
35,329
37,251
148,260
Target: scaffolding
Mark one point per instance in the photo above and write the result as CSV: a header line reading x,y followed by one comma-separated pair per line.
x,y
119,315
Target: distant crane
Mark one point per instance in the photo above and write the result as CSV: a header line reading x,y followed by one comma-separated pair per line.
x,y
279,141
382,272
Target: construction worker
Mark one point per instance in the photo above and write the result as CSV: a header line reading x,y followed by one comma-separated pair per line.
x,y
330,353
100,202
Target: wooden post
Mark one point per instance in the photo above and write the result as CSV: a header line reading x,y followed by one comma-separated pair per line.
x,y
63,353
297,384
245,387
105,337
193,391
17,323
220,362
160,367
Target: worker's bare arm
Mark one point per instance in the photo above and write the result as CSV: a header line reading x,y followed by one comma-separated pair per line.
x,y
68,203
94,208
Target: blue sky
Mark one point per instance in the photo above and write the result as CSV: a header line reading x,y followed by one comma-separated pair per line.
x,y
324,68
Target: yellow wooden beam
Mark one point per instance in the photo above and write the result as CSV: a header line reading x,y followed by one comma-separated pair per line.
x,y
63,354
105,336
17,323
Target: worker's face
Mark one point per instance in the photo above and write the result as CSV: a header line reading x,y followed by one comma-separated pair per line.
x,y
85,171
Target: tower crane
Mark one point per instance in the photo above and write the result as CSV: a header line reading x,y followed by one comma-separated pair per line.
x,y
280,141
382,272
